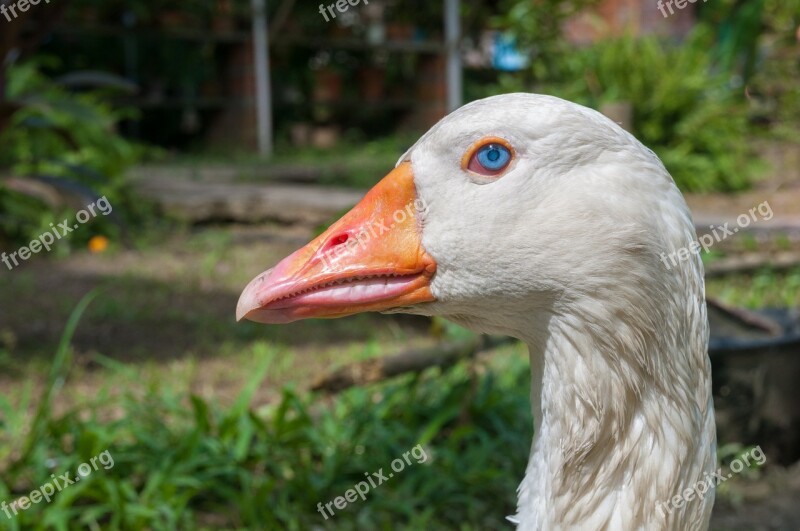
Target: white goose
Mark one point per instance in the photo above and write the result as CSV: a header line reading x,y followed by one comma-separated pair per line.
x,y
540,219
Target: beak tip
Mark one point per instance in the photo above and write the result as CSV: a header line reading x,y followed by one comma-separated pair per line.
x,y
249,300
241,311
246,304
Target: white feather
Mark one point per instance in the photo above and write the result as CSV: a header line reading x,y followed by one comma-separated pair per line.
x,y
562,252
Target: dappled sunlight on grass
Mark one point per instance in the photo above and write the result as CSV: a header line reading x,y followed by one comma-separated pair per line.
x,y
765,288
183,460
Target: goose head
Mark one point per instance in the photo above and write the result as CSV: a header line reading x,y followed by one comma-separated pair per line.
x,y
534,217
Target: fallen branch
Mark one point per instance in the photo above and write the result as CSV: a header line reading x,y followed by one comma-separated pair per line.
x,y
417,360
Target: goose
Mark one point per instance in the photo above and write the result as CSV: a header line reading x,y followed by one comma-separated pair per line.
x,y
533,217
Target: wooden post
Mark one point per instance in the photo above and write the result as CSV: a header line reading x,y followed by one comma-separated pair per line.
x,y
452,32
263,90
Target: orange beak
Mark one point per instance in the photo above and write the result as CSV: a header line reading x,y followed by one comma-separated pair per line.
x,y
370,260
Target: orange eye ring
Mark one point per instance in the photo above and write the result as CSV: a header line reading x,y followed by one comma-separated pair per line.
x,y
489,157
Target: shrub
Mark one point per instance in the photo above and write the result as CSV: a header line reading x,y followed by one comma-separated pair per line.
x,y
687,113
68,139
688,104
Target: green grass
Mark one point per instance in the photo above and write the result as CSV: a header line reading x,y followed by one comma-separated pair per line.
x,y
764,288
354,162
211,429
182,462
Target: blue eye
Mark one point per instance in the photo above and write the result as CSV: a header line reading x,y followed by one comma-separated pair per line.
x,y
490,159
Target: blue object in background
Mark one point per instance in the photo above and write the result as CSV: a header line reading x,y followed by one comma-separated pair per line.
x,y
506,57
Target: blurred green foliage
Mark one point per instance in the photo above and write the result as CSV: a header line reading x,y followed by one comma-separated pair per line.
x,y
747,32
688,97
737,27
22,217
688,114
538,26
53,130
774,84
72,140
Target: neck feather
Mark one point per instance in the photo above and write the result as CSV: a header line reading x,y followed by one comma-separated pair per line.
x,y
623,421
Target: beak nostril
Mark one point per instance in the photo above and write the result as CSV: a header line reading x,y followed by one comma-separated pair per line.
x,y
338,240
